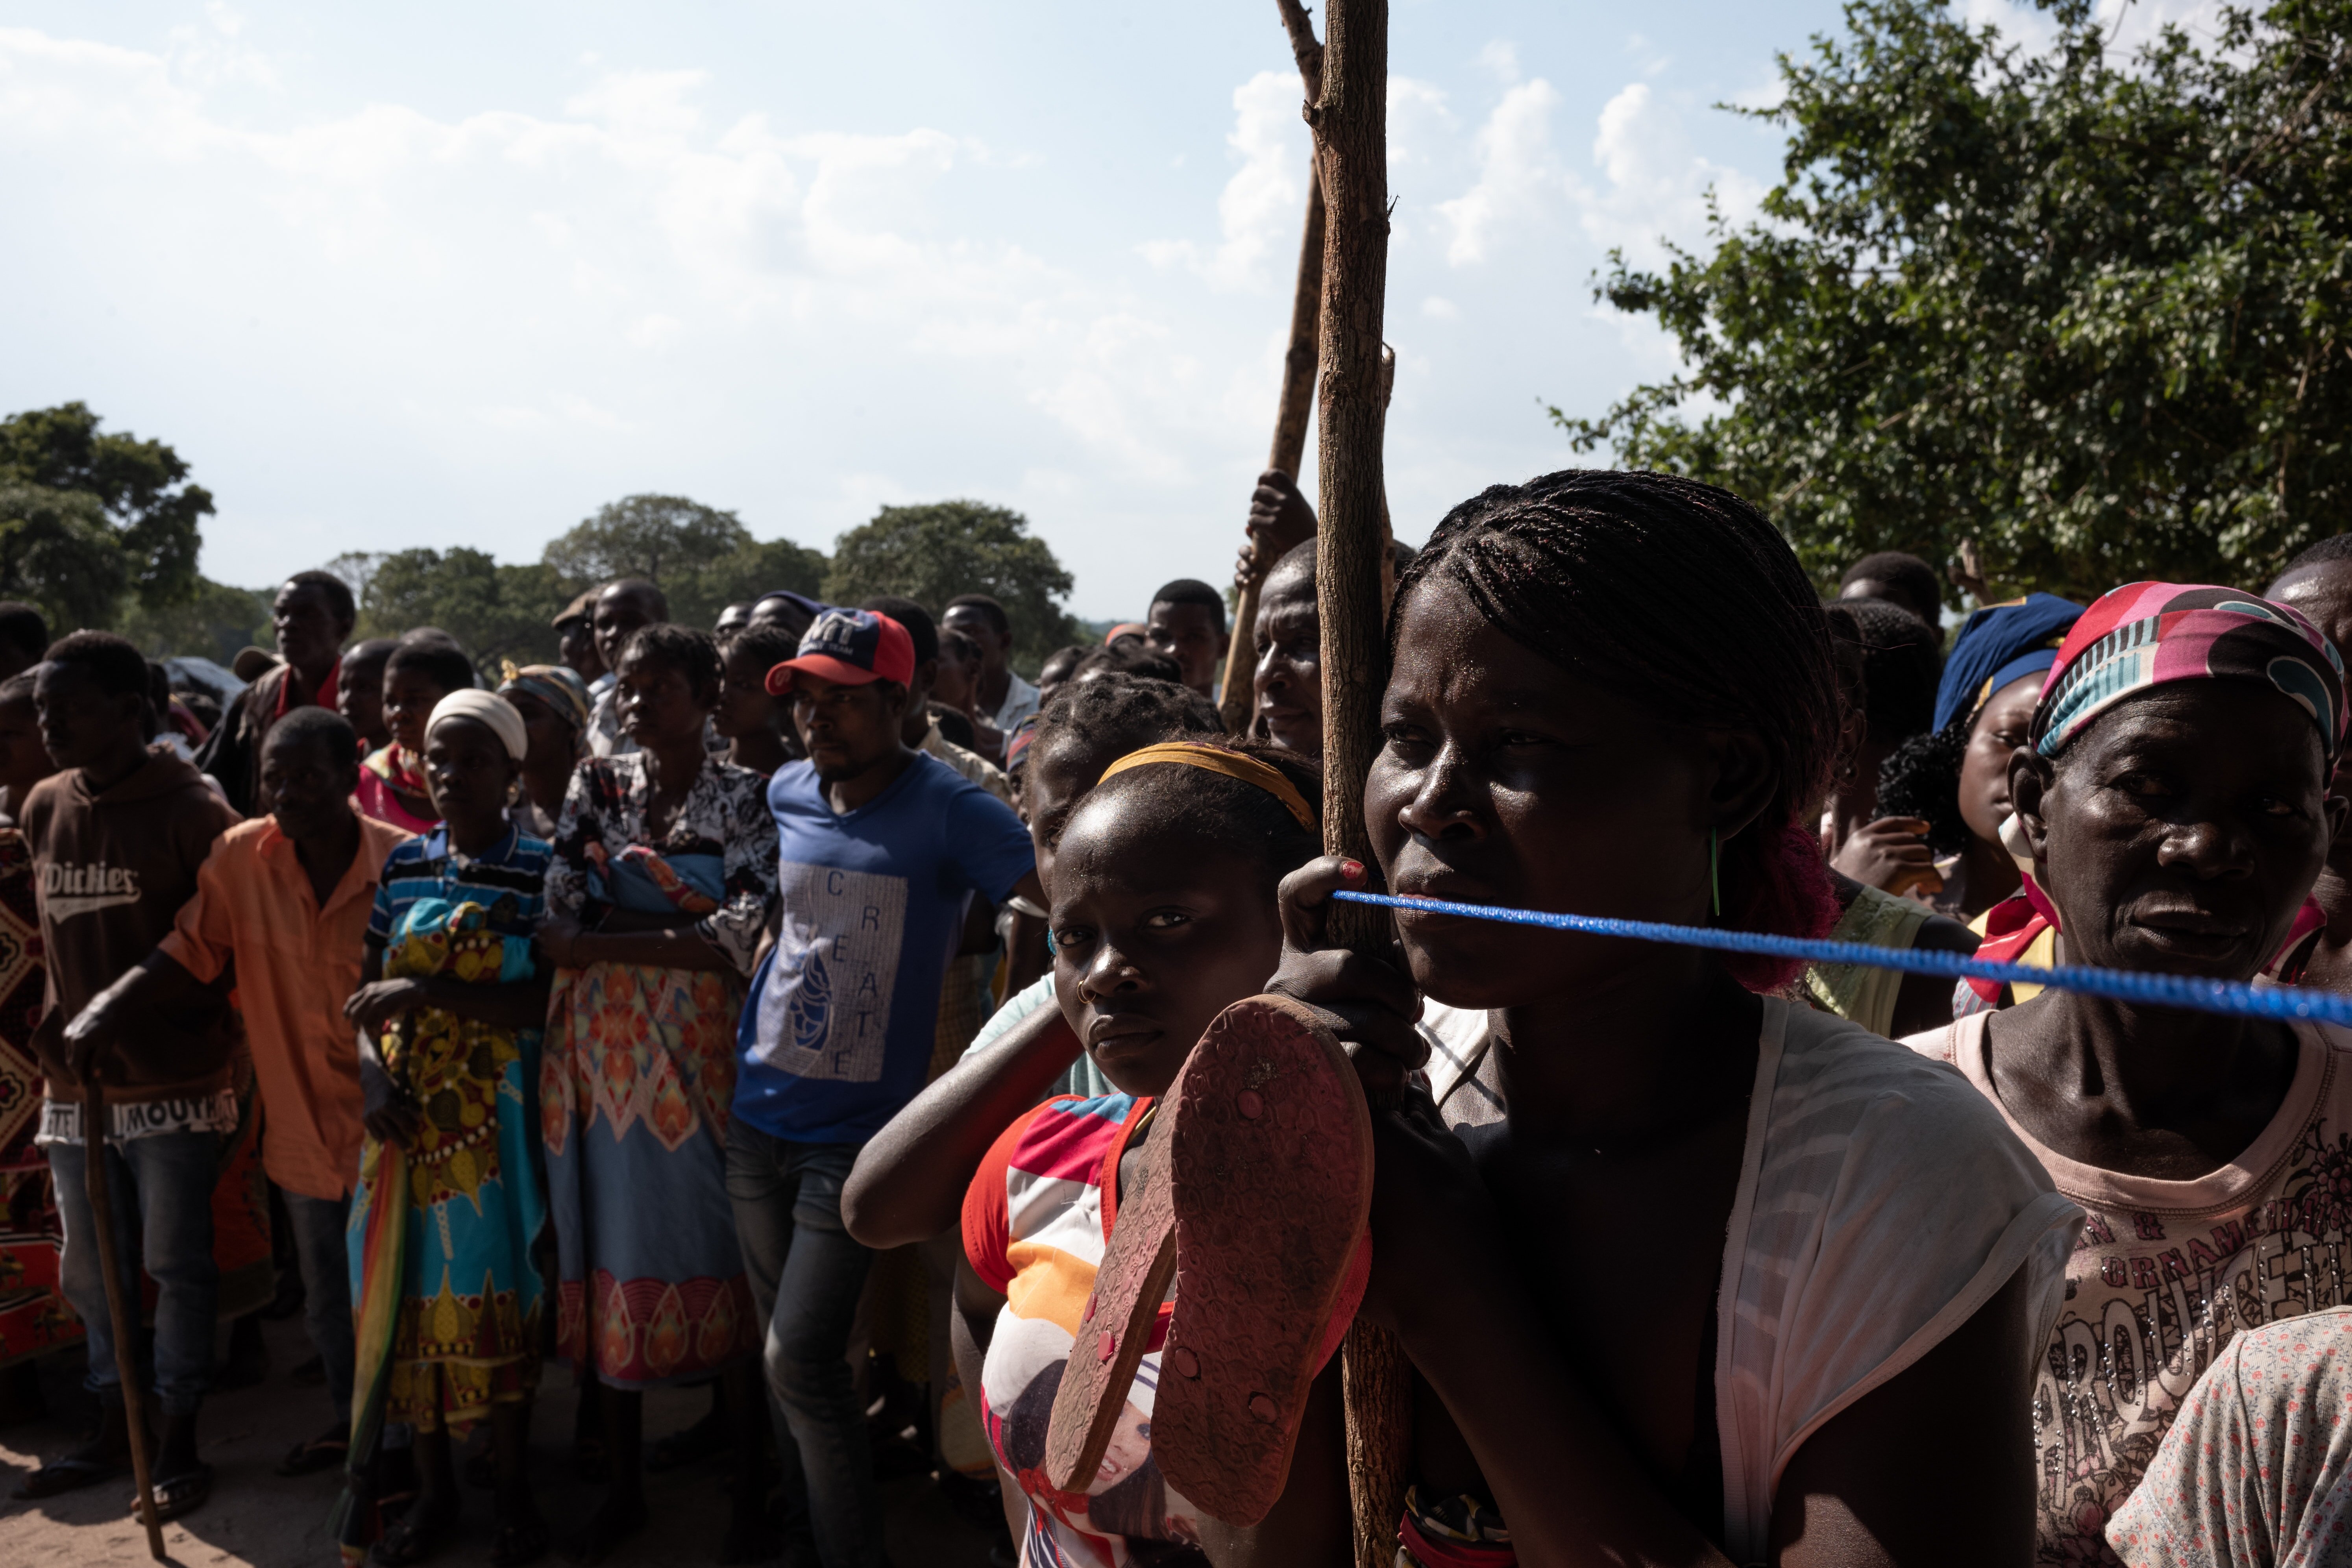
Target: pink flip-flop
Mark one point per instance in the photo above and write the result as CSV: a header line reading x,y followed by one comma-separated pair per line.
x,y
1265,1159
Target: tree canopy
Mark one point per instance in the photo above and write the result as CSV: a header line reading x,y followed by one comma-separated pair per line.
x,y
703,559
2088,311
931,554
87,518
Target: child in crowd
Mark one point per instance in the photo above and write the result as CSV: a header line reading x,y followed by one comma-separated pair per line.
x,y
448,1295
118,837
1164,914
359,691
284,900
1841,1251
422,669
2174,802
33,1316
757,728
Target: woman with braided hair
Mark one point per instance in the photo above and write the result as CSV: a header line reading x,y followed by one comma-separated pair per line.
x,y
1729,1277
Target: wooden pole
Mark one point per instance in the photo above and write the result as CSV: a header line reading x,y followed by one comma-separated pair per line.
x,y
1300,364
1350,120
118,1307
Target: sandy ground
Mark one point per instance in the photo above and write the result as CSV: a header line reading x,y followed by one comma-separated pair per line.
x,y
255,1519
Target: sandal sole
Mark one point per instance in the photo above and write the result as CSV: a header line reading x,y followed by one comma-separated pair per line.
x,y
1113,1327
1270,1161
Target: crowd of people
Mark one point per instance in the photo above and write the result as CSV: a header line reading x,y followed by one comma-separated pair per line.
x,y
784,1009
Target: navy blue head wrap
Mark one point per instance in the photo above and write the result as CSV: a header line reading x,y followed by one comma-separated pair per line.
x,y
1998,643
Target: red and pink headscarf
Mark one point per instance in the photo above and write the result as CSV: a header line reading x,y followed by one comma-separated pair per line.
x,y
2145,634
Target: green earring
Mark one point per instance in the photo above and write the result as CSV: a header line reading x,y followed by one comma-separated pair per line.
x,y
1714,869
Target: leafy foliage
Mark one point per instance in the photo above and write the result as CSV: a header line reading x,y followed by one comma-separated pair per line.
x,y
2090,312
87,518
495,612
216,621
702,558
931,554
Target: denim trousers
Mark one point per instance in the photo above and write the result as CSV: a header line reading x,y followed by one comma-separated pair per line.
x,y
160,1190
806,1277
318,1224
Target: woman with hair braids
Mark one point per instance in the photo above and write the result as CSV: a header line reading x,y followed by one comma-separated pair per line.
x,y
664,865
1942,796
1729,1274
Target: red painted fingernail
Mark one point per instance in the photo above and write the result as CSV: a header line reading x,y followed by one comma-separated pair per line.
x,y
1353,869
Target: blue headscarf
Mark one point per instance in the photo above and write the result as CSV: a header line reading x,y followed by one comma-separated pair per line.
x,y
1997,645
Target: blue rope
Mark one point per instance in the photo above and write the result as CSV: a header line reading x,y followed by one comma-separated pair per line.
x,y
2230,997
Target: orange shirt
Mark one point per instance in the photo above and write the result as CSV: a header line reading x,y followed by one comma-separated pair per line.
x,y
296,966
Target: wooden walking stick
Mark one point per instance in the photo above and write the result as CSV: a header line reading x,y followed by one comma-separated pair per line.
x,y
1299,365
118,1307
1349,117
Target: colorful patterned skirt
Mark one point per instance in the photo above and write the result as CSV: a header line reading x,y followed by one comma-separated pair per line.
x,y
635,1088
447,1297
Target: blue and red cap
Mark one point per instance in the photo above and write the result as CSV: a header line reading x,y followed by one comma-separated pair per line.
x,y
850,647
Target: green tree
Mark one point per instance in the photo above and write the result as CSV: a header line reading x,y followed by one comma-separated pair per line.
x,y
215,622
703,559
2090,312
495,612
931,554
87,518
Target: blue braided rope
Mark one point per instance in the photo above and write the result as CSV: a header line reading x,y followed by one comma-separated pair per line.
x,y
2230,997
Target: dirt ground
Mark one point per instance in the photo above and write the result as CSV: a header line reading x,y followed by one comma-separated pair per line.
x,y
255,1519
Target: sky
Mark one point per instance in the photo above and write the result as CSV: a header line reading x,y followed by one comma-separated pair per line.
x,y
434,274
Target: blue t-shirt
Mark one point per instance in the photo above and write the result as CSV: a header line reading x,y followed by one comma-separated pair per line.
x,y
838,1031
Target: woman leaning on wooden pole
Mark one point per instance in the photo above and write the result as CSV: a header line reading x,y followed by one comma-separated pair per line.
x,y
1348,117
1235,698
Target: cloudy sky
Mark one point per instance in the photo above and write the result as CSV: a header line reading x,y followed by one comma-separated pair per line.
x,y
438,275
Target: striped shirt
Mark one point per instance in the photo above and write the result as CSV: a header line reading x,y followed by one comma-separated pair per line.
x,y
510,882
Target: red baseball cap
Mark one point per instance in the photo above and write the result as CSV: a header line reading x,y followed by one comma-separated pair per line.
x,y
852,647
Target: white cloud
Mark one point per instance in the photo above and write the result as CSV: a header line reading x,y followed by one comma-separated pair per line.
x,y
1265,202
1656,184
1437,308
1518,173
1501,61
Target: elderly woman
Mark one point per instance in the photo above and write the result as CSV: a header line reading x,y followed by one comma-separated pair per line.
x,y
2172,808
553,703
664,867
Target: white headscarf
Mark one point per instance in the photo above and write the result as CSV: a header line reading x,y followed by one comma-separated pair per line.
x,y
503,717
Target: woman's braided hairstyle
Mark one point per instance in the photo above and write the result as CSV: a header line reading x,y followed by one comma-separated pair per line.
x,y
1571,565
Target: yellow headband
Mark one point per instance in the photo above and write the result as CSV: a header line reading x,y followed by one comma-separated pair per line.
x,y
1217,759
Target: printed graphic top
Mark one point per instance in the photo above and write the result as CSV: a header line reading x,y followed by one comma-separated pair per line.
x,y
838,1032
2164,1276
1035,1220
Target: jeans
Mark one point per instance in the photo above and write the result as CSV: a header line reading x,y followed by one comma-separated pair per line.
x,y
160,1190
806,1276
318,1224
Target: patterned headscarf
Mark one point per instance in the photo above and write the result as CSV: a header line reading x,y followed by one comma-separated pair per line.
x,y
2145,634
558,686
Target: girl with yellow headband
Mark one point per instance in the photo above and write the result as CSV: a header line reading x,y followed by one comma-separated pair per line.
x,y
1163,914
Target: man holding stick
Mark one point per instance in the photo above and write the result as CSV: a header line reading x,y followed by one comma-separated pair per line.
x,y
117,835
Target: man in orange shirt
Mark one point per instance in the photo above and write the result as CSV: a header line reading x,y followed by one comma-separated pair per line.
x,y
285,898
